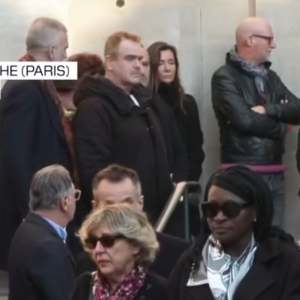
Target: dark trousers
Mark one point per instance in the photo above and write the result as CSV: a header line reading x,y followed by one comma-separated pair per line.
x,y
276,183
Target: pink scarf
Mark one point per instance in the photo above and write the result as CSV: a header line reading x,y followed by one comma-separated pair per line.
x,y
128,289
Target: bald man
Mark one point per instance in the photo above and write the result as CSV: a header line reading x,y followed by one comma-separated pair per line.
x,y
34,132
253,108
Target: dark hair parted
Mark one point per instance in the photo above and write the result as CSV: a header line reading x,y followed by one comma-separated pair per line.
x,y
116,174
86,63
154,52
251,187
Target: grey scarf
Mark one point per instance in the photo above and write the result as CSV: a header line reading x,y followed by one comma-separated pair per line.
x,y
224,273
259,72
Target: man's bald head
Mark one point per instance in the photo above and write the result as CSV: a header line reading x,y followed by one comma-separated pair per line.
x,y
255,40
252,26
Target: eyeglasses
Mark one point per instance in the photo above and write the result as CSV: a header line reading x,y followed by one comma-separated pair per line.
x,y
230,209
106,240
269,39
77,194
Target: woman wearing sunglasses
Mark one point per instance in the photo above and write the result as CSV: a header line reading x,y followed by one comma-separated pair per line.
x,y
238,255
123,244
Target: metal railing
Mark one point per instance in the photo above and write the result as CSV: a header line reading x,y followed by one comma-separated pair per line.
x,y
180,191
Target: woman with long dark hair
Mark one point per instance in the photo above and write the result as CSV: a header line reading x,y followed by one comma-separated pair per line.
x,y
238,255
164,81
164,84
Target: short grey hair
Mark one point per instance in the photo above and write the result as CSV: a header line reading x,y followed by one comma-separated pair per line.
x,y
49,185
132,224
43,32
115,174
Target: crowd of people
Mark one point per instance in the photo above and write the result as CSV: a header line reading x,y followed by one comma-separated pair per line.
x,y
88,165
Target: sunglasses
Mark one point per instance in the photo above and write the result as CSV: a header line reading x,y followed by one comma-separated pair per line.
x,y
106,240
229,209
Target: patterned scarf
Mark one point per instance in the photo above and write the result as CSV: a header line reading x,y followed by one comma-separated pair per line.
x,y
259,72
67,126
128,289
224,273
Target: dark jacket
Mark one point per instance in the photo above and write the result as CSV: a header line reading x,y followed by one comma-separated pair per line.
x,y
109,128
154,288
246,136
188,123
31,137
274,275
40,265
171,249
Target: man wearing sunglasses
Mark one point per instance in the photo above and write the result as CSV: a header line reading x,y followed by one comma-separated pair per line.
x,y
40,265
253,108
117,184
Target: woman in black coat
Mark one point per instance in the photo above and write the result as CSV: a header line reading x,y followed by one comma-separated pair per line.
x,y
123,244
239,255
164,82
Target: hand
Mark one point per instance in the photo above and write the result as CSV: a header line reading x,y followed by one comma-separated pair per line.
x,y
259,109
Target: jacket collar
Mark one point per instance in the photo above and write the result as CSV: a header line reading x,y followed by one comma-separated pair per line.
x,y
100,87
125,104
40,221
266,252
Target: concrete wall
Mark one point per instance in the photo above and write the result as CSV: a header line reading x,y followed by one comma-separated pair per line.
x,y
202,30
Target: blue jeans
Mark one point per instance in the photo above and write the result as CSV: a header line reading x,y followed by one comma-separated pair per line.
x,y
276,183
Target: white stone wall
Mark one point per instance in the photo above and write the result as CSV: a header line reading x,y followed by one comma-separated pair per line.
x,y
202,30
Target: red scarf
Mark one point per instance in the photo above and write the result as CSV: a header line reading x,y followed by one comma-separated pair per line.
x,y
128,289
67,126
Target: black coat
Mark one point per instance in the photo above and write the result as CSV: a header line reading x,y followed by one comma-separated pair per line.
x,y
109,128
274,275
154,288
170,250
246,136
40,265
188,123
31,137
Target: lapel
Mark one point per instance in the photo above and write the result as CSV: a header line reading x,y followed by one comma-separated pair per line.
x,y
39,221
259,277
53,111
198,285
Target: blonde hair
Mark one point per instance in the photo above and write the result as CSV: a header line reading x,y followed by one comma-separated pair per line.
x,y
122,219
113,42
43,32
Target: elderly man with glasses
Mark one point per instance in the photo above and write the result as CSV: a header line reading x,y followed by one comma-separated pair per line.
x,y
40,265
